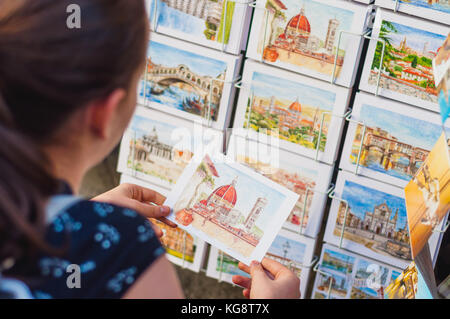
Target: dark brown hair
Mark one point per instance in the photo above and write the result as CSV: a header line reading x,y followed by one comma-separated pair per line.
x,y
47,71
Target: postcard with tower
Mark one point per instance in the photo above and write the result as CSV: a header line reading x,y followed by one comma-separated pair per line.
x,y
230,206
434,10
189,81
410,45
157,147
313,37
297,109
219,24
391,140
306,177
292,250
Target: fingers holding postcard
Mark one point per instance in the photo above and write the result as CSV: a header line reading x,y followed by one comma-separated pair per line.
x,y
230,206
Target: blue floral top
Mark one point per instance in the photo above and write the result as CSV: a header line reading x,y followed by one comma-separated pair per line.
x,y
111,247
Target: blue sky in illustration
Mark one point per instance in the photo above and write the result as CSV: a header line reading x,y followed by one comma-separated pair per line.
x,y
362,199
424,4
248,190
406,129
340,256
265,85
172,57
296,251
416,38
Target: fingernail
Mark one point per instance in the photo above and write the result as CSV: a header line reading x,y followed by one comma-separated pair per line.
x,y
164,209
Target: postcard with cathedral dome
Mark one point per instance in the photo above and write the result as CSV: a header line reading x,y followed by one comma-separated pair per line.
x,y
397,139
182,249
406,68
434,10
204,22
306,177
313,37
351,276
375,219
230,206
157,147
189,81
292,250
293,107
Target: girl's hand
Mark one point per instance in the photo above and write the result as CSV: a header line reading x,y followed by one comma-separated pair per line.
x,y
269,280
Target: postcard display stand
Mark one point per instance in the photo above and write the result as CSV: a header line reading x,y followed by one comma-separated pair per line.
x,y
299,78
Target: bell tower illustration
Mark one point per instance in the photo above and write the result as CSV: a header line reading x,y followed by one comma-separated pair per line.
x,y
255,213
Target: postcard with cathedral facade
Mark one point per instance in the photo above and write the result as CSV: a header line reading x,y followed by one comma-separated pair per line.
x,y
406,69
157,147
434,10
218,24
308,178
352,276
230,206
397,139
293,107
303,36
375,219
189,81
292,250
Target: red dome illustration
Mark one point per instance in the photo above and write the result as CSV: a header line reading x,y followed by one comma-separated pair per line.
x,y
227,192
296,106
300,22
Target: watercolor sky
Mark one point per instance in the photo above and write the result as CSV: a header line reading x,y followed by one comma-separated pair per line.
x,y
296,251
172,57
362,199
406,129
344,258
264,85
248,190
416,38
424,4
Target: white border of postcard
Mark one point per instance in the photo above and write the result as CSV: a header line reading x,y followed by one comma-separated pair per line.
x,y
269,234
276,157
410,22
212,272
389,105
333,214
421,12
194,128
228,92
354,44
336,123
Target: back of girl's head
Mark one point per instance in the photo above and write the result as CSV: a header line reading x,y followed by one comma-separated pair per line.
x,y
47,72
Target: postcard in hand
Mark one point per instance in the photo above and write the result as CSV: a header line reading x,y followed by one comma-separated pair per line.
x,y
435,10
351,276
189,81
375,219
303,36
289,249
295,108
308,178
396,141
406,69
230,206
220,24
157,147
427,195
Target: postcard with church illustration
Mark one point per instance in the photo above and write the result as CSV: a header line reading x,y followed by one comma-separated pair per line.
x,y
344,275
189,81
310,37
292,250
434,10
397,139
230,206
308,178
370,218
406,69
293,107
219,24
428,195
157,147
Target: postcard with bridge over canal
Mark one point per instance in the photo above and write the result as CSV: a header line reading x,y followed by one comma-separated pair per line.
x,y
230,206
189,81
395,142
